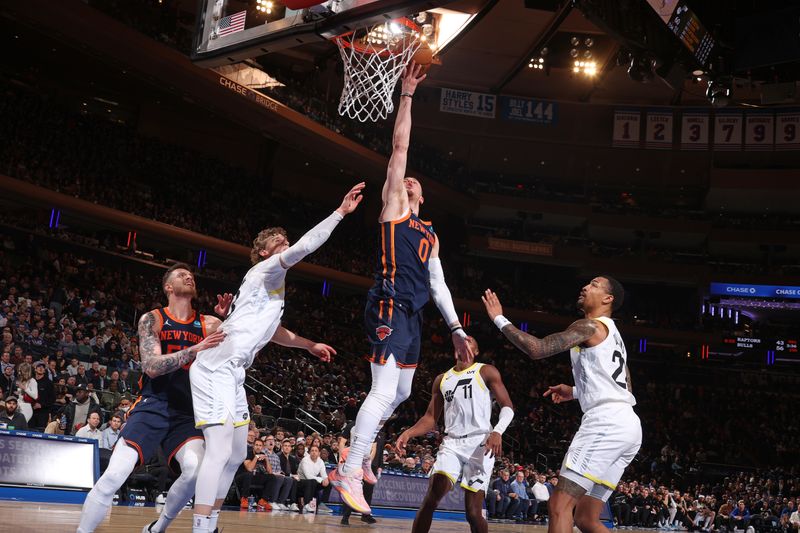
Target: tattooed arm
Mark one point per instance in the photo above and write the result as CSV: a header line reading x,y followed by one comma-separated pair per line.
x,y
576,334
154,363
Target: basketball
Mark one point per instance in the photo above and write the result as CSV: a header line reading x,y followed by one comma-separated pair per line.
x,y
424,57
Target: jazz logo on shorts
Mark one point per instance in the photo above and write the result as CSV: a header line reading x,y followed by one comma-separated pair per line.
x,y
382,332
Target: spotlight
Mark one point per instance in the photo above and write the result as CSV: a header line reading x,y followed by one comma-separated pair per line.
x,y
641,69
719,92
575,41
573,52
587,54
588,42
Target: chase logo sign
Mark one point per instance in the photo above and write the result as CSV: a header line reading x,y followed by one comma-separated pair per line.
x,y
755,291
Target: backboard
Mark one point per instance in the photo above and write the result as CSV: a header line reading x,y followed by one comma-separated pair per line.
x,y
230,31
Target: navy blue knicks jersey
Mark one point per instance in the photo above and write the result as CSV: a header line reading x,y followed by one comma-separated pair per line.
x,y
402,271
175,336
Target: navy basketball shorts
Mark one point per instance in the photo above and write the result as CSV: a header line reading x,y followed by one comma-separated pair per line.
x,y
151,423
393,329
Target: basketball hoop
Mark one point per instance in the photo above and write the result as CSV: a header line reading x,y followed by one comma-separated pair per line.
x,y
374,59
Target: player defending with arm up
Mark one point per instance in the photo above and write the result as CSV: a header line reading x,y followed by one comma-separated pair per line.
x,y
408,273
471,444
218,375
610,434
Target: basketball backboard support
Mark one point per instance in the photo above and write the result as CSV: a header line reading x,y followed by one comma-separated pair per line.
x,y
230,31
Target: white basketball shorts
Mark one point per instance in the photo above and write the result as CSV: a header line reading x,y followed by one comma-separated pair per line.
x,y
607,441
218,395
466,459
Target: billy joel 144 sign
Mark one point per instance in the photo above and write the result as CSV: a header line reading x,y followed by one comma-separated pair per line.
x,y
527,110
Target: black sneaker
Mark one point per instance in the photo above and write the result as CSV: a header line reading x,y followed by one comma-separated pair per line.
x,y
345,521
368,518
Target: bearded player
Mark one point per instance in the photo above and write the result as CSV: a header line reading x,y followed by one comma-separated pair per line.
x,y
408,273
610,434
169,339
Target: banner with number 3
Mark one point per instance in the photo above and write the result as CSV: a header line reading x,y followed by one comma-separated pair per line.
x,y
694,130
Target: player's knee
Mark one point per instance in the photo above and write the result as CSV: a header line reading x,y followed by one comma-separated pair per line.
x,y
190,464
474,516
585,522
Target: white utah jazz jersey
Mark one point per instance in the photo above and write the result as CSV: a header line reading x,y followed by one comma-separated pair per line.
x,y
254,316
601,372
467,402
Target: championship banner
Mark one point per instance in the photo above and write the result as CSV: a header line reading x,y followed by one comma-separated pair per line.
x,y
627,123
527,110
759,131
728,131
658,132
694,130
787,130
467,103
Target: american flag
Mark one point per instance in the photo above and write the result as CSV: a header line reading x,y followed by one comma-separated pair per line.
x,y
232,23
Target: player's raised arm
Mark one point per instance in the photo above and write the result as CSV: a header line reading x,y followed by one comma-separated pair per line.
x,y
427,423
395,200
576,334
154,363
491,376
320,233
444,301
290,339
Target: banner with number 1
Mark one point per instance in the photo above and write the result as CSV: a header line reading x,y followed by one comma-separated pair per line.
x,y
627,124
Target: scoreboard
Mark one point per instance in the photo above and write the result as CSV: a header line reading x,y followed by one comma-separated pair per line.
x,y
756,343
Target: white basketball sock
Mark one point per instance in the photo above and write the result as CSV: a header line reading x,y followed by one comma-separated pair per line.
x,y
99,499
189,457
201,523
214,519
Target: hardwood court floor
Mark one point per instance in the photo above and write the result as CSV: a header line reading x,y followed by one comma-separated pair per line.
x,y
19,517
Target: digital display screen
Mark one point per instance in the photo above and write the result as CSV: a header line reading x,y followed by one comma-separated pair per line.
x,y
785,346
686,26
46,461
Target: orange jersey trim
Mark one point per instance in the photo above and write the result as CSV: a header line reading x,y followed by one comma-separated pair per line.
x,y
137,448
191,319
178,447
401,365
203,325
139,399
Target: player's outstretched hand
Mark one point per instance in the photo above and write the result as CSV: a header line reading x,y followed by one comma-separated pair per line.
x,y
401,444
223,304
494,445
559,393
209,342
412,78
351,199
492,304
322,351
463,348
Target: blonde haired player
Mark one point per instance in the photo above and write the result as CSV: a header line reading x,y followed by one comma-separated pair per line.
x,y
610,434
217,376
468,450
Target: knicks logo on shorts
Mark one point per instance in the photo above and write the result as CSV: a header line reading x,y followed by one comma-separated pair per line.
x,y
382,332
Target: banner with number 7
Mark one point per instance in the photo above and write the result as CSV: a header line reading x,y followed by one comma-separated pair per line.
x,y
728,131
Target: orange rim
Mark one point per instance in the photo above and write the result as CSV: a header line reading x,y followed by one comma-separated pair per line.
x,y
345,39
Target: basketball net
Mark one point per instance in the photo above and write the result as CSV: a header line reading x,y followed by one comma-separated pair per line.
x,y
374,59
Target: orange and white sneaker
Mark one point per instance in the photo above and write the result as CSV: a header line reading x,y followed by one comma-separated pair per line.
x,y
366,469
351,489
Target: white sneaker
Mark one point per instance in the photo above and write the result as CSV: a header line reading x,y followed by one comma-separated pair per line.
x,y
161,499
324,509
278,507
293,507
308,509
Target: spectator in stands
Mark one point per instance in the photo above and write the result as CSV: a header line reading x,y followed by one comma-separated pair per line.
x,y
620,503
46,397
498,501
255,469
78,410
258,417
27,390
794,521
540,497
740,516
11,417
289,465
72,369
723,520
280,483
312,474
110,434
8,381
519,492
91,429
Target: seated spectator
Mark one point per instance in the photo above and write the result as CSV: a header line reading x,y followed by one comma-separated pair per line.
x,y
91,429
289,466
312,475
8,381
110,398
255,469
110,434
740,516
723,520
10,417
519,492
498,501
258,417
57,424
540,496
78,410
